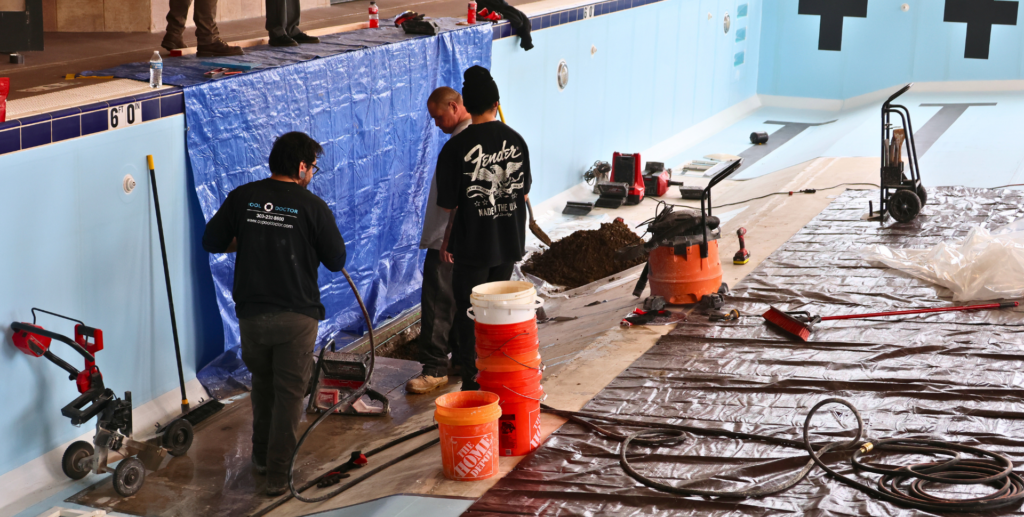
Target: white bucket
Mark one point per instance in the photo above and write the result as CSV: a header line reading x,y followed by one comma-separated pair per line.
x,y
504,303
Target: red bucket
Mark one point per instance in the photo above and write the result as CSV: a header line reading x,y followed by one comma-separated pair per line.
x,y
499,361
519,425
513,339
521,381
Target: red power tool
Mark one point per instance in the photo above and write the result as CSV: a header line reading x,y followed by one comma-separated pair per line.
x,y
742,256
626,169
113,414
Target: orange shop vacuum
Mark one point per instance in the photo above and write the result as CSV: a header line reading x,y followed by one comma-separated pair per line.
x,y
683,265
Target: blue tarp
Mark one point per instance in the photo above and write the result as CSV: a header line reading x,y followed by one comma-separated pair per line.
x,y
368,110
189,70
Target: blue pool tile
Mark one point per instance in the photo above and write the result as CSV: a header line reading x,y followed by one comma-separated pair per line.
x,y
42,117
10,140
67,127
741,10
495,32
36,135
66,113
545,21
738,59
623,4
172,105
150,110
94,107
563,17
94,122
534,23
506,30
573,15
10,124
149,95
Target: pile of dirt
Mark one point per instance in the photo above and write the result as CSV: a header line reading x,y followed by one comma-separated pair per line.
x,y
584,256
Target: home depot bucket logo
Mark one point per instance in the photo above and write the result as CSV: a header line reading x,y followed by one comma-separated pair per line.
x,y
535,436
473,457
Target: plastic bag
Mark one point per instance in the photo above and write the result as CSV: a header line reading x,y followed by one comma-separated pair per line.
x,y
983,266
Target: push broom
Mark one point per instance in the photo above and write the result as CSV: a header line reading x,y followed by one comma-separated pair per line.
x,y
798,322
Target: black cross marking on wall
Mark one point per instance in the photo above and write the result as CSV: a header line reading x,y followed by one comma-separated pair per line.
x,y
832,12
980,15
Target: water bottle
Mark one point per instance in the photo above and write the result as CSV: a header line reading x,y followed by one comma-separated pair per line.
x,y
374,20
156,71
471,15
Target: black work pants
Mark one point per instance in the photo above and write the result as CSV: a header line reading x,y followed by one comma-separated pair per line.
x,y
437,306
283,17
464,279
205,16
278,350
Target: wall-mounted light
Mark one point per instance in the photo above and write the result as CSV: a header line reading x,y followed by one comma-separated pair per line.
x,y
905,7
593,50
726,23
563,74
710,16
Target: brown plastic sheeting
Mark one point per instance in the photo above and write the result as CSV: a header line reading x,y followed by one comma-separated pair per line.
x,y
952,376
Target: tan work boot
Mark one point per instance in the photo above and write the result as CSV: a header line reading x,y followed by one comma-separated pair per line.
x,y
425,384
218,49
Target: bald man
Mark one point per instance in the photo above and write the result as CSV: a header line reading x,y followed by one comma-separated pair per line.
x,y
436,301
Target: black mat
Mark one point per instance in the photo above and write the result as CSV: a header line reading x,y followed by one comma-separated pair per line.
x,y
955,376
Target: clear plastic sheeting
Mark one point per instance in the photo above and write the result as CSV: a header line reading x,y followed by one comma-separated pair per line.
x,y
984,266
953,376
368,110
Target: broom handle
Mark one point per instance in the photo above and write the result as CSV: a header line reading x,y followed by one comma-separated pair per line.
x,y
167,280
1002,305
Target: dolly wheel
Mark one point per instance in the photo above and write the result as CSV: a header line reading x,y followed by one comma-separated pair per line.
x,y
922,194
73,456
904,205
129,476
178,437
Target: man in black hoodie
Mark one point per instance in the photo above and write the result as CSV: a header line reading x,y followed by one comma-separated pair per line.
x,y
483,179
282,233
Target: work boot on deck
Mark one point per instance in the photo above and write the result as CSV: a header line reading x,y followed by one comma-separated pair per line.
x,y
305,39
173,41
426,384
218,49
276,486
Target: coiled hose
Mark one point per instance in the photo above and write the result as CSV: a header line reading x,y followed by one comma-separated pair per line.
x,y
341,405
902,485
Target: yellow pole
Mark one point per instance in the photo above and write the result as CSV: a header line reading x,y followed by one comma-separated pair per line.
x,y
500,114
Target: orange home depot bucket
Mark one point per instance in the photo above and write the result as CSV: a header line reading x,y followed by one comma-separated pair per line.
x,y
499,361
468,425
519,425
513,339
519,380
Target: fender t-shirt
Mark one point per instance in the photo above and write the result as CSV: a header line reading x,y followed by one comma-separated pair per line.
x,y
284,233
484,171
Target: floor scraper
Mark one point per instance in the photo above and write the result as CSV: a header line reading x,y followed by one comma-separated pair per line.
x,y
113,415
683,265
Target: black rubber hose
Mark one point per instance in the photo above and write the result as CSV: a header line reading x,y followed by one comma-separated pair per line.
x,y
348,401
901,485
310,484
